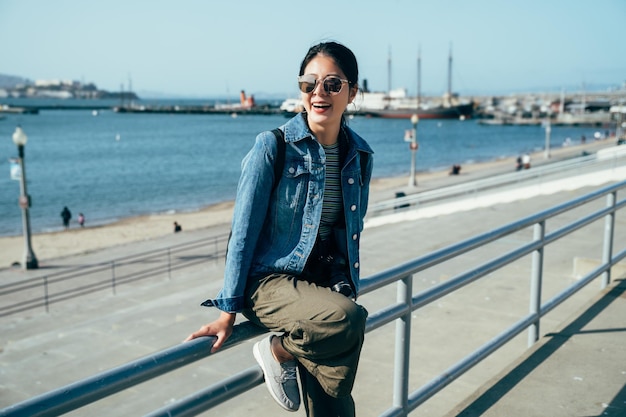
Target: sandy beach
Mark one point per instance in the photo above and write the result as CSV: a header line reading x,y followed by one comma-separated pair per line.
x,y
83,240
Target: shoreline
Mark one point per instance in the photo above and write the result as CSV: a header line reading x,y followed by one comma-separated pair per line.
x,y
59,244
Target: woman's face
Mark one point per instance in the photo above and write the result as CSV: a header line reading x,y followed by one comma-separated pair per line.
x,y
323,108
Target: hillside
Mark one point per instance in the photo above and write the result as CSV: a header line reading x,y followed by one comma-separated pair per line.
x,y
17,87
12,81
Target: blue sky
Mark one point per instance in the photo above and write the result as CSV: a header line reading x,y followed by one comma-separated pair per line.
x,y
197,48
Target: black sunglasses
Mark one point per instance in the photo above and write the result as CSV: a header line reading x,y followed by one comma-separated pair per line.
x,y
332,84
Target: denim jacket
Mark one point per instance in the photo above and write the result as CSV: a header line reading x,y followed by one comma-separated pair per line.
x,y
275,225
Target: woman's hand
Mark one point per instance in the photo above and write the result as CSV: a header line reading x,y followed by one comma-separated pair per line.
x,y
222,328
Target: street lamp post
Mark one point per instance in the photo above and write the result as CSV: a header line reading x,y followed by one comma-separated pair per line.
x,y
413,146
548,130
30,260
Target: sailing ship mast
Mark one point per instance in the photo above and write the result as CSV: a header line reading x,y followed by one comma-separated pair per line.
x,y
389,71
448,100
450,73
419,76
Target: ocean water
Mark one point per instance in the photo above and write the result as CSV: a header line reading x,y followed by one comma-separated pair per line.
x,y
113,166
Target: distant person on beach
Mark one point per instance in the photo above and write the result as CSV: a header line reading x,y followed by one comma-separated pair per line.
x,y
292,265
81,220
66,215
456,169
519,165
177,227
526,161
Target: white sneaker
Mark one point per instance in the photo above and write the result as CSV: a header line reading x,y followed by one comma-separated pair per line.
x,y
281,378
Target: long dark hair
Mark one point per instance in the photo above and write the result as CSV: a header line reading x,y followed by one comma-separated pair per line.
x,y
343,57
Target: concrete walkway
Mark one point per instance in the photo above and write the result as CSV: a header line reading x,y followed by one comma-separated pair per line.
x,y
578,369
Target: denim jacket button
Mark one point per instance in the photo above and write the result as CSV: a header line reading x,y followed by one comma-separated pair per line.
x,y
350,181
356,265
292,170
354,236
353,207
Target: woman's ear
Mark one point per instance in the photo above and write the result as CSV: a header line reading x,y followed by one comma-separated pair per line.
x,y
353,91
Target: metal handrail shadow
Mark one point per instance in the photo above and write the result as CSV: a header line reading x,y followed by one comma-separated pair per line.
x,y
542,352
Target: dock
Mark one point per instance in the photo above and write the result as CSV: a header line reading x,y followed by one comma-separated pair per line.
x,y
178,109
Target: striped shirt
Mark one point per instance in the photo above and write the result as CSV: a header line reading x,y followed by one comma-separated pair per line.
x,y
331,208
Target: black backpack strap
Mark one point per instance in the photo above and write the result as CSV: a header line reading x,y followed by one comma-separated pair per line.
x,y
364,158
281,147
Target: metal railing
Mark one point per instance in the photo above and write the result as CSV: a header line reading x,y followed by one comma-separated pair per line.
x,y
412,201
48,289
404,401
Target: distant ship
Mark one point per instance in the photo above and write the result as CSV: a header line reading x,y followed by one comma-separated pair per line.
x,y
459,111
397,105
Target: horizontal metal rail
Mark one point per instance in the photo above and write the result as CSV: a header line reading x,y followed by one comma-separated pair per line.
x,y
469,187
86,391
99,386
87,279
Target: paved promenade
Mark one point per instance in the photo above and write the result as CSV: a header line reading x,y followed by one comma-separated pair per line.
x,y
577,369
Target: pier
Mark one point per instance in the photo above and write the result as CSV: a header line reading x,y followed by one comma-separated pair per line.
x,y
181,109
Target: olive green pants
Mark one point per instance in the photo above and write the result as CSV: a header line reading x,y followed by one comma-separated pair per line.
x,y
322,329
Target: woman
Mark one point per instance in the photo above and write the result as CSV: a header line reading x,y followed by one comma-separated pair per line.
x,y
293,257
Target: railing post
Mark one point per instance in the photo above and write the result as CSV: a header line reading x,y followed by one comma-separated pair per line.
x,y
539,232
46,294
216,249
113,277
169,264
607,250
403,346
